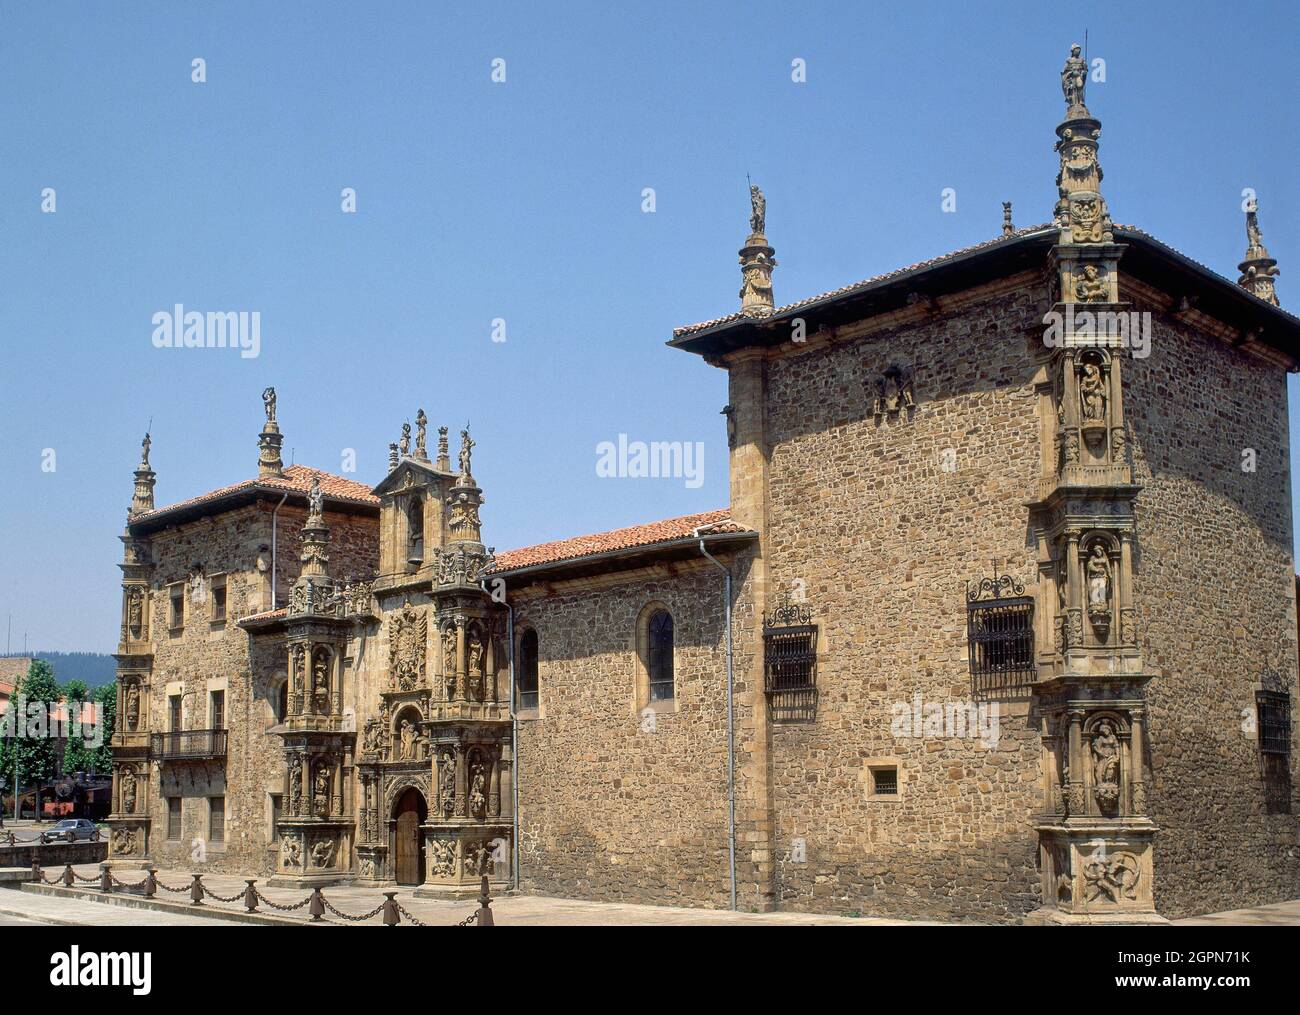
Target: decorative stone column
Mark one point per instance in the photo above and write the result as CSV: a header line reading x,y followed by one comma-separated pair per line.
x,y
756,261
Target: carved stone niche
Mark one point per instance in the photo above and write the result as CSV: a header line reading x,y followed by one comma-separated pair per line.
x,y
1099,563
1093,379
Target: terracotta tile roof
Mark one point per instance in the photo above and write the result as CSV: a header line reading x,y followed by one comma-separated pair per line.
x,y
296,479
1045,228
650,534
265,615
691,329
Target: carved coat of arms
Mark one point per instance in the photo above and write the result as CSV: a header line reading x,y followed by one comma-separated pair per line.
x,y
406,643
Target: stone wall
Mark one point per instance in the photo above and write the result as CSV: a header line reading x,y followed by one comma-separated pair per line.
x,y
615,806
207,656
878,523
1215,593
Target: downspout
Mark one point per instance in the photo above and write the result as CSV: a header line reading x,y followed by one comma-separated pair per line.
x,y
514,737
273,532
731,725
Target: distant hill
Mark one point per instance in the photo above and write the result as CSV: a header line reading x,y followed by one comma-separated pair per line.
x,y
91,668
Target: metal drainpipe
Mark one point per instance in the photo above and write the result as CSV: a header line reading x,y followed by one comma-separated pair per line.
x,y
273,532
514,735
731,727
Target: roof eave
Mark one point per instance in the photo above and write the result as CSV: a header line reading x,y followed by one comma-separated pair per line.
x,y
555,568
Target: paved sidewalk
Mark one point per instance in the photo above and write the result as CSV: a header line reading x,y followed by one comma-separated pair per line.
x,y
28,908
1278,914
521,910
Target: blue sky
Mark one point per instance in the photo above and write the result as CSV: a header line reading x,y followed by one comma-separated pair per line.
x,y
523,201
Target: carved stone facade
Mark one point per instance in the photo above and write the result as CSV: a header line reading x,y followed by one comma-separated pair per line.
x,y
927,424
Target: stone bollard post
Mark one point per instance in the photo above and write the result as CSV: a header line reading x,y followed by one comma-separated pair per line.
x,y
317,907
391,916
484,905
250,896
36,871
150,882
105,879
196,890
69,877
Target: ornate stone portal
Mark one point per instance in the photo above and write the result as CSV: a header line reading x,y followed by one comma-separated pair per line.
x,y
443,725
1095,836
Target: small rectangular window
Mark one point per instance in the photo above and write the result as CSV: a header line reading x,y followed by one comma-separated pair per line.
x,y
275,815
218,600
218,710
217,819
884,781
177,617
174,713
173,817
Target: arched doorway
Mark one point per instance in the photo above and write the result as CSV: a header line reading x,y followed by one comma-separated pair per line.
x,y
408,843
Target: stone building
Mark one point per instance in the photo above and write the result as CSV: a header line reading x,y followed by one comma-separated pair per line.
x,y
1000,622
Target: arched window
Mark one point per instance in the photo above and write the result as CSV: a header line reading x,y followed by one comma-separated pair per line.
x,y
659,657
526,673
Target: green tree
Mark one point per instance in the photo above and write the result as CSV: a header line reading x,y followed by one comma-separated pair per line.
x,y
101,757
76,753
28,734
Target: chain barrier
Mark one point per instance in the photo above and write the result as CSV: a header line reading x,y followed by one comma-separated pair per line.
x,y
392,910
402,910
353,919
275,905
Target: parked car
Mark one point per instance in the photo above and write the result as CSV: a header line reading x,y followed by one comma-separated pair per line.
x,y
71,830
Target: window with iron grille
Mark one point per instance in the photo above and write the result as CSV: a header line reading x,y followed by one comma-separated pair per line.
x,y
1273,709
660,662
790,664
526,682
884,781
1000,634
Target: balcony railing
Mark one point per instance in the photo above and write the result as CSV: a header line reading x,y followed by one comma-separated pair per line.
x,y
187,744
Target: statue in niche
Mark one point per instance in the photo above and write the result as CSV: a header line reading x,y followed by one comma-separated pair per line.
x,y
135,613
478,789
295,784
298,655
475,676
1091,286
1098,571
407,741
268,403
1074,78
321,682
128,791
447,783
132,705
449,660
1105,765
321,789
1092,393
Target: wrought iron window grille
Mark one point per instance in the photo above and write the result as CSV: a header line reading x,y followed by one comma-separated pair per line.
x,y
790,664
1273,711
1000,635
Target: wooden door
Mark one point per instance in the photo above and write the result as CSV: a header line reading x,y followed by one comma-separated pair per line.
x,y
408,849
